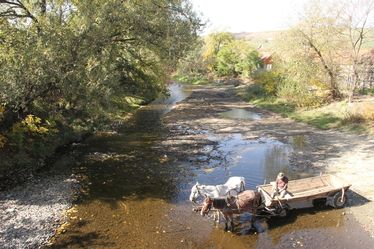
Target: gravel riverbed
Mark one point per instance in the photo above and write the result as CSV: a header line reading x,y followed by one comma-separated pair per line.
x,y
31,213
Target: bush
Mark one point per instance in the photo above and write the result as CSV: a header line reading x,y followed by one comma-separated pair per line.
x,y
269,80
30,133
360,113
299,95
255,91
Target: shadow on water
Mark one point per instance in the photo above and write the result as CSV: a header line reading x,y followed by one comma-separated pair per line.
x,y
135,193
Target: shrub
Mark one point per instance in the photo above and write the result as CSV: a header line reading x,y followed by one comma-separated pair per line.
x,y
359,113
31,130
299,95
269,80
254,91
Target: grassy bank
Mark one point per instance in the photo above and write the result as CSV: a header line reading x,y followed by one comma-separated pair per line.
x,y
354,117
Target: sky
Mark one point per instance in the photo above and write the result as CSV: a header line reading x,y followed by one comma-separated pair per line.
x,y
248,15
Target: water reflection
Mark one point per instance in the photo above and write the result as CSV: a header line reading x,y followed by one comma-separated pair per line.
x,y
241,114
298,142
257,160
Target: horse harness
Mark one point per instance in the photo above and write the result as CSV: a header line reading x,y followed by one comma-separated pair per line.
x,y
245,201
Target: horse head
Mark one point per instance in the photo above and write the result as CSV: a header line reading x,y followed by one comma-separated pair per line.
x,y
194,192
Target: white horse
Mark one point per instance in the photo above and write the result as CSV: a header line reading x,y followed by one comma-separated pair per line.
x,y
235,183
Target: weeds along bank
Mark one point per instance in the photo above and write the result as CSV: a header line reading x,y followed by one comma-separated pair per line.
x,y
71,67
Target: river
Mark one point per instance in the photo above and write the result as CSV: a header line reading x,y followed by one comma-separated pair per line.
x,y
135,193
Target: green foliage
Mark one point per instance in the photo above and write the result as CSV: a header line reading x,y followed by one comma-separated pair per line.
x,y
236,58
213,44
268,80
33,139
219,54
71,61
193,65
299,95
255,91
100,49
226,61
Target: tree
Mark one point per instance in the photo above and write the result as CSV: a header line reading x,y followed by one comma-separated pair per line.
x,y
78,55
331,34
236,58
319,32
69,61
213,45
357,15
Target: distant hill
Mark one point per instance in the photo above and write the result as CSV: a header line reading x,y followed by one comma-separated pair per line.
x,y
265,40
262,40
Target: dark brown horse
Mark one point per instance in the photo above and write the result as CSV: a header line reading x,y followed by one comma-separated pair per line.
x,y
246,201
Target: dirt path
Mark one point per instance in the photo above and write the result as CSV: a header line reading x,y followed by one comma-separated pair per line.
x,y
349,156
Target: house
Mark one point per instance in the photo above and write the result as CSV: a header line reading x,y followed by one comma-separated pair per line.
x,y
267,62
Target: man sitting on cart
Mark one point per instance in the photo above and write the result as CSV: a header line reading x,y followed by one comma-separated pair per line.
x,y
280,186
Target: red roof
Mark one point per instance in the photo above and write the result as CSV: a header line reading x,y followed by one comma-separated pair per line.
x,y
267,59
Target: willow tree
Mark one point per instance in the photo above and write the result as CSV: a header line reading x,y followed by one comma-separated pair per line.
x,y
71,58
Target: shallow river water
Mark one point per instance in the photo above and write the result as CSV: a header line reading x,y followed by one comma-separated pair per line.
x,y
135,196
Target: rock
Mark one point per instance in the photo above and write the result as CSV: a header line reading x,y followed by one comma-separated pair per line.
x,y
10,210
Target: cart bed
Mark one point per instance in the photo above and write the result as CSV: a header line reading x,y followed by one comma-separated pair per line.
x,y
306,189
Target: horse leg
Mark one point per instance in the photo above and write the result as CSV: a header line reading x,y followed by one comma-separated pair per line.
x,y
216,218
231,223
226,221
253,218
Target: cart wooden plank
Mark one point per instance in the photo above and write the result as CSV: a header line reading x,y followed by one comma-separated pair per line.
x,y
307,189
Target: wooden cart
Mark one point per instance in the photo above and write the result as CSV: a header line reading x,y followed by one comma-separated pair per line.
x,y
304,193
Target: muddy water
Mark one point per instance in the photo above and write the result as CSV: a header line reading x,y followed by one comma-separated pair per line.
x,y
135,193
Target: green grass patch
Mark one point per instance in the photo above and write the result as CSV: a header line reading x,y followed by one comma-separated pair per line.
x,y
322,120
331,116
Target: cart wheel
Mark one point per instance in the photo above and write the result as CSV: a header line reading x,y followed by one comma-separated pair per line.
x,y
338,201
283,213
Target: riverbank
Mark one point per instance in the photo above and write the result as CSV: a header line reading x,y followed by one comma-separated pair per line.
x,y
35,200
31,212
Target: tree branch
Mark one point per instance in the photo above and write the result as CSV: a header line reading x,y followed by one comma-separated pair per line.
x,y
11,11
